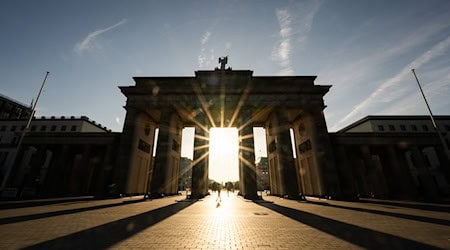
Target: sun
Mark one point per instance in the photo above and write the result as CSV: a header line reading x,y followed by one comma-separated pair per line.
x,y
223,154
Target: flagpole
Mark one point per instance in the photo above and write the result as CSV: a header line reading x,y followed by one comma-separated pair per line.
x,y
16,152
432,117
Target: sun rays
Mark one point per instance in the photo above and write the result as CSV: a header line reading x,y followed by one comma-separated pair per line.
x,y
209,108
220,109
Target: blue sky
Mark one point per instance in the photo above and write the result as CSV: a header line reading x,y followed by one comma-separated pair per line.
x,y
365,49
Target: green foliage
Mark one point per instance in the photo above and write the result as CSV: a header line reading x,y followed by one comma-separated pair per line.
x,y
229,185
214,186
236,185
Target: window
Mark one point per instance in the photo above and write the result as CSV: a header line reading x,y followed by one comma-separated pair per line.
x,y
3,128
73,128
425,127
33,128
380,128
414,127
13,128
391,127
53,128
43,128
402,127
63,128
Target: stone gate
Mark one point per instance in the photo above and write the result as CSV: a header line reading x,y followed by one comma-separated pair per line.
x,y
226,98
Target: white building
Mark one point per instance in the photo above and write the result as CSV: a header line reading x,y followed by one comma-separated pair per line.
x,y
46,127
398,123
383,151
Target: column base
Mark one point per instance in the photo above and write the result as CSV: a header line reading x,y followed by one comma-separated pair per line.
x,y
197,196
298,197
343,197
252,196
156,195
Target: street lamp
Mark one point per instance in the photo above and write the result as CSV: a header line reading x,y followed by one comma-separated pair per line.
x,y
13,160
436,127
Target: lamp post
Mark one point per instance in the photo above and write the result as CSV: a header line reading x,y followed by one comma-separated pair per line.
x,y
15,153
436,127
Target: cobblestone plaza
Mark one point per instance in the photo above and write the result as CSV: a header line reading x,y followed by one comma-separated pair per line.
x,y
231,223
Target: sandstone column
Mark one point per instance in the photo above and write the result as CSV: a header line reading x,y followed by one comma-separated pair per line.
x,y
426,180
285,154
161,180
126,148
401,176
247,166
200,162
348,186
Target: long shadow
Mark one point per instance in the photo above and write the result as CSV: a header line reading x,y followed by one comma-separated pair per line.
x,y
357,235
21,218
386,213
106,235
429,207
35,203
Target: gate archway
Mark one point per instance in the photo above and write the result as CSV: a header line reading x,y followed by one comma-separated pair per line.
x,y
226,98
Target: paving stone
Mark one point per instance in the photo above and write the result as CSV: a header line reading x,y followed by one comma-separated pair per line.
x,y
235,223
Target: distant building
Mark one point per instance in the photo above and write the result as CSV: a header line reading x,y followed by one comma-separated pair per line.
x,y
262,174
393,157
58,156
12,109
185,173
399,124
52,124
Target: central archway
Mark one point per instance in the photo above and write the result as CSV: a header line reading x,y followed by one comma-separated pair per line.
x,y
223,155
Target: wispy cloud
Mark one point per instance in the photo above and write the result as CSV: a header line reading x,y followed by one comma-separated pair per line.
x,y
118,121
281,52
302,21
227,45
437,93
436,88
345,77
206,57
88,41
392,89
205,37
364,71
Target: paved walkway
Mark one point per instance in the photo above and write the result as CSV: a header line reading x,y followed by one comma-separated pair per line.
x,y
229,223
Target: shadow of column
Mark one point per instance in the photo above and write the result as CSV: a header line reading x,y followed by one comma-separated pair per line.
x,y
387,213
20,218
104,236
363,237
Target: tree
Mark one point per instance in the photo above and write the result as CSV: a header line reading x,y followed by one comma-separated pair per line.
x,y
236,185
229,185
213,185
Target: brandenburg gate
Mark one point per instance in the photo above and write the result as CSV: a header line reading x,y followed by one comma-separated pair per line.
x,y
226,98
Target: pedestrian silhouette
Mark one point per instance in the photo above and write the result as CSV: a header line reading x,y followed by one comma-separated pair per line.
x,y
219,199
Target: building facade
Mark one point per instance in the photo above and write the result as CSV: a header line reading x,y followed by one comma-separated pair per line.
x,y
262,174
397,157
185,174
59,156
12,109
